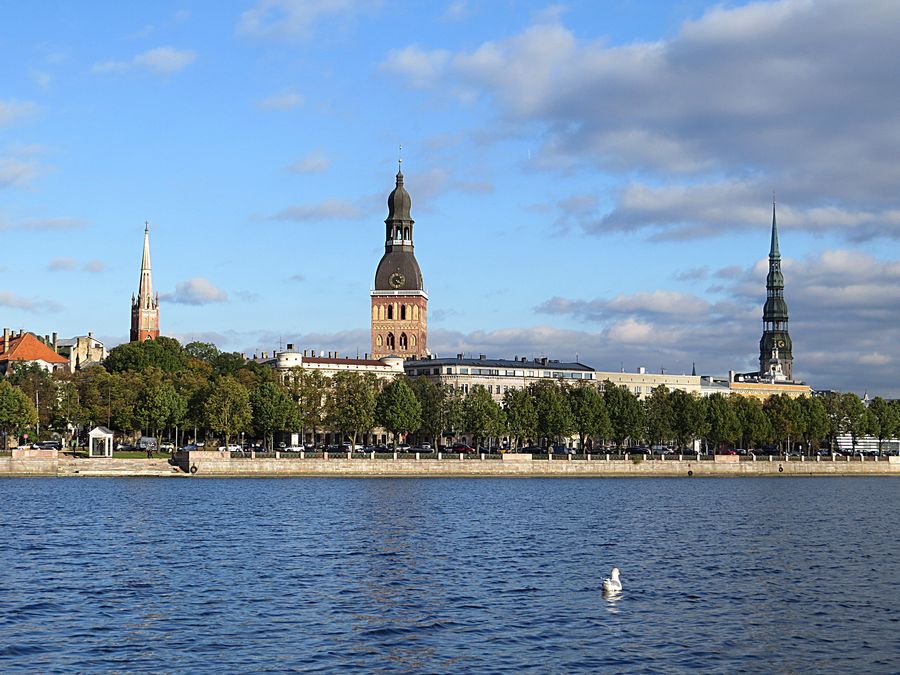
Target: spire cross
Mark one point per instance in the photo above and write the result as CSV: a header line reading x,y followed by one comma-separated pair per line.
x,y
400,158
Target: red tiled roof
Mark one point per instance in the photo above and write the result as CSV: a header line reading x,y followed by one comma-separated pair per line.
x,y
27,347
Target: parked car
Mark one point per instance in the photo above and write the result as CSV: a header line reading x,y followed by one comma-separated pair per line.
x,y
230,448
637,450
167,447
462,447
403,447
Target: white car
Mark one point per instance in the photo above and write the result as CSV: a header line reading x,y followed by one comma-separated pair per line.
x,y
230,448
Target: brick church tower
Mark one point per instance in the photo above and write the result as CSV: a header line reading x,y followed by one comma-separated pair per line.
x,y
399,301
145,308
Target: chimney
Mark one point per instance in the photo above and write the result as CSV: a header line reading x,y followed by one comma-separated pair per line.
x,y
56,345
366,356
731,376
642,370
337,355
481,357
290,346
46,339
265,355
6,339
459,356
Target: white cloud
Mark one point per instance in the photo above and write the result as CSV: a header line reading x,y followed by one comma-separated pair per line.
x,y
315,162
295,19
158,61
706,122
329,209
197,291
54,224
12,111
422,68
14,301
16,172
287,100
62,264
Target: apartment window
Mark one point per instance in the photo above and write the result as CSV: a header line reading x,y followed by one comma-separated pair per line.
x,y
463,371
449,371
637,390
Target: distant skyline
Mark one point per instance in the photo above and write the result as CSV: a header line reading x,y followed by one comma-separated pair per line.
x,y
588,179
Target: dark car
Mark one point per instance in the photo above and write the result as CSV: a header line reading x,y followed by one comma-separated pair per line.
x,y
462,447
637,450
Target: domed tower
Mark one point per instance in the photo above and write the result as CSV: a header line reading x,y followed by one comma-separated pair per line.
x,y
145,308
399,301
775,348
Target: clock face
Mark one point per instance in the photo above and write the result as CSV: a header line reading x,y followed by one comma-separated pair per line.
x,y
396,280
780,343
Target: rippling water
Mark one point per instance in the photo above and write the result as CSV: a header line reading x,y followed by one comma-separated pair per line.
x,y
444,575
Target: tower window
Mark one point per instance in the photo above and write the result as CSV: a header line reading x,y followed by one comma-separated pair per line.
x,y
403,312
403,342
390,340
413,341
390,312
378,341
415,312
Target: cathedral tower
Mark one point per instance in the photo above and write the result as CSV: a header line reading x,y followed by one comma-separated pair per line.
x,y
145,308
399,301
775,348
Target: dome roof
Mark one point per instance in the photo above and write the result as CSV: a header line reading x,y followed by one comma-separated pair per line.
x,y
399,202
775,309
398,271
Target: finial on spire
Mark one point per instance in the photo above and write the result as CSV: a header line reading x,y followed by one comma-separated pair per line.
x,y
146,226
400,159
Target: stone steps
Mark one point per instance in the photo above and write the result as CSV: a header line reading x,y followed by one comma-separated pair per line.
x,y
116,467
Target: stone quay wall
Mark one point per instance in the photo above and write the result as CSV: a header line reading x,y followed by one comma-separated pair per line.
x,y
202,464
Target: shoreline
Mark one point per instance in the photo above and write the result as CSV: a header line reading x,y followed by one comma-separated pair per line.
x,y
215,465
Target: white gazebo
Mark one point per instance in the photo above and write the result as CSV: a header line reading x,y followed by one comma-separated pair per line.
x,y
100,442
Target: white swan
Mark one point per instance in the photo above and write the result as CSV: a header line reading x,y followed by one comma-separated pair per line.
x,y
612,583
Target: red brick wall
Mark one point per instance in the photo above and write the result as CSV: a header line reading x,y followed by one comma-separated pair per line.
x,y
415,329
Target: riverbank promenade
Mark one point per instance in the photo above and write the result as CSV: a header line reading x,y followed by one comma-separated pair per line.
x,y
201,464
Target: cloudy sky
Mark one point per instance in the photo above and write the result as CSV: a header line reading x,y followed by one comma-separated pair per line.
x,y
588,179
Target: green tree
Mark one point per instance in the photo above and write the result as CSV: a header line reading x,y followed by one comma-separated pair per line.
x,y
589,414
854,416
625,413
350,403
309,387
17,412
724,426
163,353
554,417
521,417
658,416
272,410
784,415
397,409
432,399
814,421
227,409
482,415
688,417
37,384
202,351
755,428
836,417
883,420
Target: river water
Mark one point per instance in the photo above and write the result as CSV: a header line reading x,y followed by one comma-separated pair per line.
x,y
449,575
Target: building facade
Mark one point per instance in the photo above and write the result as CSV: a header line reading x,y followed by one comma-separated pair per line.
x,y
399,300
500,375
26,348
776,358
82,351
145,308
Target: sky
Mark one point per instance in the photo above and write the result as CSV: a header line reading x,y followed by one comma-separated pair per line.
x,y
588,180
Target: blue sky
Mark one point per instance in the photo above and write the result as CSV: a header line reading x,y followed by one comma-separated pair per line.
x,y
590,179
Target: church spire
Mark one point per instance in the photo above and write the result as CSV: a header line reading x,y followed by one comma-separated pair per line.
x,y
145,307
773,248
775,347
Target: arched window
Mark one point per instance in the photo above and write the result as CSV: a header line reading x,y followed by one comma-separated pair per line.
x,y
412,339
381,312
403,312
374,312
398,234
403,341
378,341
390,341
415,312
406,233
390,312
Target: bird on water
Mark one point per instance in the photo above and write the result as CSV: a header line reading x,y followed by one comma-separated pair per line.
x,y
612,584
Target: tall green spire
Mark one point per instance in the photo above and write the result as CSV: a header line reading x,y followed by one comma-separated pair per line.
x,y
773,249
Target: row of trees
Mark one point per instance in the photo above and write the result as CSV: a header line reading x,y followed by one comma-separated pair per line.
x,y
161,388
